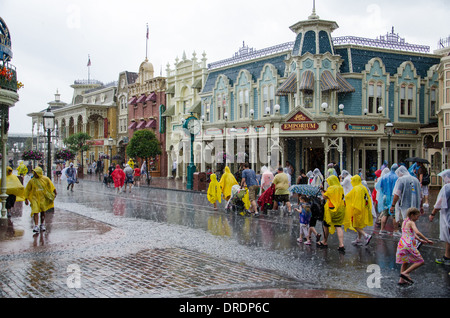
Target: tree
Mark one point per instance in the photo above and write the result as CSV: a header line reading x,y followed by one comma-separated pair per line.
x,y
78,142
144,144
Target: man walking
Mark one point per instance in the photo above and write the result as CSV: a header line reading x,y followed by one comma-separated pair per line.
x,y
71,175
281,182
40,193
249,179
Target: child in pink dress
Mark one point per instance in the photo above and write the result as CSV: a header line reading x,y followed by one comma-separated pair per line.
x,y
407,251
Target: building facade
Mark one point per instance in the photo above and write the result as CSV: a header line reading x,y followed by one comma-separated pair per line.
x,y
145,108
318,100
184,84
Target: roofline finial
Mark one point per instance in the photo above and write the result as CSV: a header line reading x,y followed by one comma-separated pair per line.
x,y
314,15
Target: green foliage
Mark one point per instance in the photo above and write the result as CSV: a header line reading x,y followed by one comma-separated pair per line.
x,y
78,142
143,145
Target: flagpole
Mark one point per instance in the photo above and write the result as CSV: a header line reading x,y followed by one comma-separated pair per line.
x,y
146,44
89,69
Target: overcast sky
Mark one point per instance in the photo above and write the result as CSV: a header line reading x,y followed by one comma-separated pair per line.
x,y
51,39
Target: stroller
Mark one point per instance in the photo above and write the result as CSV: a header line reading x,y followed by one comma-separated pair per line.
x,y
265,201
236,202
107,179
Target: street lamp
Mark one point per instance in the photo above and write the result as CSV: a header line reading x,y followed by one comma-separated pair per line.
x,y
49,125
389,128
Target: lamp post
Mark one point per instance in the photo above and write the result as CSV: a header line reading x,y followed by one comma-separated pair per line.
x,y
49,125
110,144
389,128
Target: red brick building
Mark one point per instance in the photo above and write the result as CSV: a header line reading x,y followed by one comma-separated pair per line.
x,y
147,103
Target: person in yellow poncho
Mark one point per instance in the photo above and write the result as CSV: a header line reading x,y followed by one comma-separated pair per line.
x,y
41,193
22,171
214,191
335,215
226,182
131,163
359,209
14,190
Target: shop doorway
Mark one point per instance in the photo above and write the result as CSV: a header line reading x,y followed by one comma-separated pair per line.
x,y
315,159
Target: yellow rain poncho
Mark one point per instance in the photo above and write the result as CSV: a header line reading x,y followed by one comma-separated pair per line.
x,y
335,213
131,163
359,204
40,191
14,186
226,182
214,193
22,169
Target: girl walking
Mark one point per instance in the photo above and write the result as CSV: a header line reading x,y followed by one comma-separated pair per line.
x,y
407,252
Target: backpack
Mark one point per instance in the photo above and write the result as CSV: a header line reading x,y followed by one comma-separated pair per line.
x,y
426,180
317,208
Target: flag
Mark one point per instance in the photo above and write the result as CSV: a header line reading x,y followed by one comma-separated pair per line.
x,y
147,31
89,61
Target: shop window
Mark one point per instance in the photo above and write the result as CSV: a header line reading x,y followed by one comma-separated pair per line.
x,y
371,164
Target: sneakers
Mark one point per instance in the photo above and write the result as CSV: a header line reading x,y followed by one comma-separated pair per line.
x,y
42,228
36,229
383,232
357,242
397,233
443,260
367,238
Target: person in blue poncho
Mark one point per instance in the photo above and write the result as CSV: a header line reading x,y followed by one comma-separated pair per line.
x,y
385,187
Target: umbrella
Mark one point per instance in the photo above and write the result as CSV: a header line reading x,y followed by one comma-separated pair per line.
x,y
305,189
417,159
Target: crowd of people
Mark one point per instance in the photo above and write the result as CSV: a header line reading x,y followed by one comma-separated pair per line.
x,y
344,202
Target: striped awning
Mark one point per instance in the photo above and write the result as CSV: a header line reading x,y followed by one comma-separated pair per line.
x,y
307,81
141,99
151,98
132,101
132,125
151,124
141,124
170,111
327,82
196,108
344,86
289,86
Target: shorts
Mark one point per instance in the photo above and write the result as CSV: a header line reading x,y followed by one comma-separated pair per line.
x,y
304,228
328,225
137,178
386,213
424,190
253,192
312,222
10,201
128,179
281,197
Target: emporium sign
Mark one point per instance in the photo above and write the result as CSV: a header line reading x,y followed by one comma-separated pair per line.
x,y
300,122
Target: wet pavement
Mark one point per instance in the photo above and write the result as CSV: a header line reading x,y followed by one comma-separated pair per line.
x,y
163,241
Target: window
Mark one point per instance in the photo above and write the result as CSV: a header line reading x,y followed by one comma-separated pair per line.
x,y
433,102
268,99
185,106
221,106
375,100
308,98
407,100
207,111
241,104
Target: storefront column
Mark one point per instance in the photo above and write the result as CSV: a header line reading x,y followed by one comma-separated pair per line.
x,y
379,159
341,152
298,155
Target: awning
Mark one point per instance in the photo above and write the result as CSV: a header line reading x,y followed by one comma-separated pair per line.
x,y
132,101
327,82
289,86
151,124
151,97
141,99
196,108
132,125
307,81
141,124
344,86
170,111
171,90
197,84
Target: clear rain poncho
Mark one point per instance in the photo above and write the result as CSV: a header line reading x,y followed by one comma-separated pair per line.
x,y
408,190
443,203
346,182
385,187
317,178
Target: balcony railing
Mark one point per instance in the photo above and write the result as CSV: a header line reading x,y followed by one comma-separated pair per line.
x,y
8,77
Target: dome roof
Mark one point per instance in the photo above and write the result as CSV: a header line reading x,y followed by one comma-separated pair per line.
x,y
146,66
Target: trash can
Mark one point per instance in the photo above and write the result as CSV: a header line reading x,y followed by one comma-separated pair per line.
x,y
200,182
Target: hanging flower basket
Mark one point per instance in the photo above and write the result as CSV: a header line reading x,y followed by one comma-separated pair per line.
x,y
222,157
65,154
32,155
103,156
241,157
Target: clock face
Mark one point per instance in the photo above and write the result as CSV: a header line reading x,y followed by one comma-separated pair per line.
x,y
194,126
